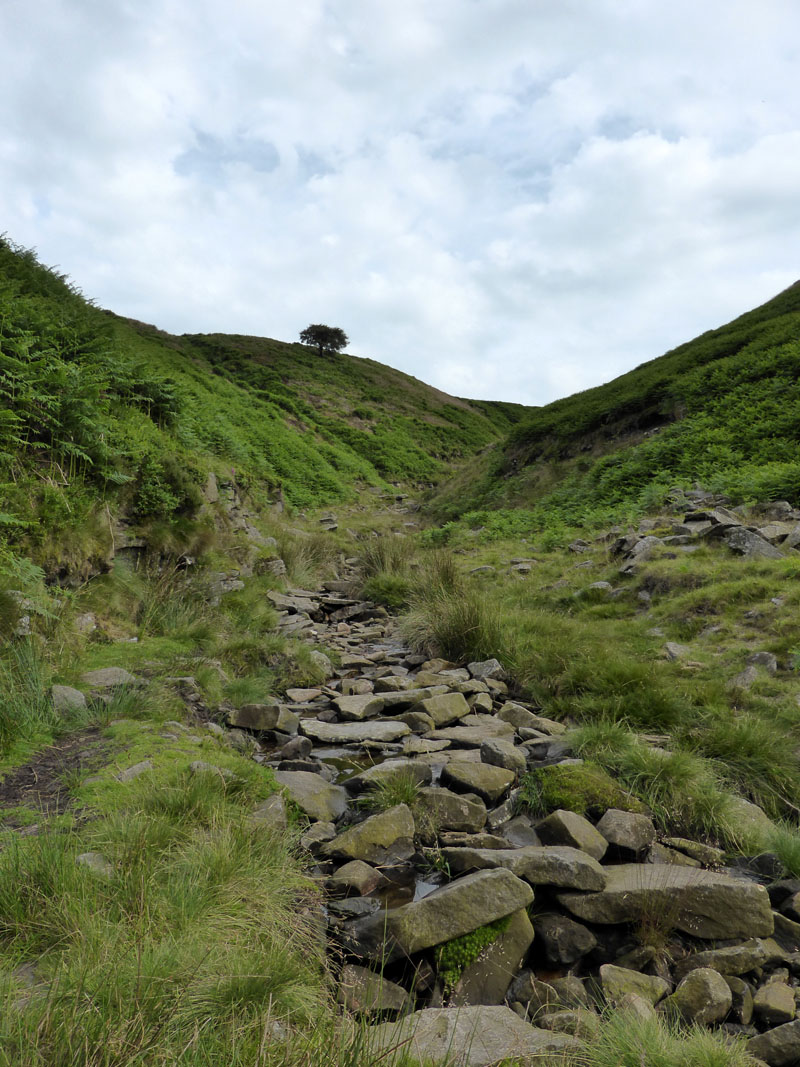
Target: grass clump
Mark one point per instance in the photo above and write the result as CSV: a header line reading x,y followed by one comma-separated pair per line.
x,y
401,787
625,1040
453,957
584,788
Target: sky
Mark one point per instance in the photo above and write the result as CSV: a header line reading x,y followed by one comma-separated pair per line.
x,y
509,199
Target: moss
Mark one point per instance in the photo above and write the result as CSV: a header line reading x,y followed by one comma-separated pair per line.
x,y
453,957
583,787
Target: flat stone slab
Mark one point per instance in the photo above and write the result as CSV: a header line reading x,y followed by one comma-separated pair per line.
x,y
474,735
359,707
488,782
384,838
414,770
540,865
457,908
472,1036
110,678
317,798
705,904
351,733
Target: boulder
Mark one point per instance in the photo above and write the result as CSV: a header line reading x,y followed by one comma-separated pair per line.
x,y
357,707
65,698
779,1047
270,815
501,753
365,992
110,678
474,735
486,981
703,996
446,810
383,838
568,828
519,832
705,904
355,877
555,865
489,783
774,1004
742,1002
444,709
628,832
313,795
736,959
272,716
456,909
617,982
563,940
353,733
485,669
467,1037
750,545
381,773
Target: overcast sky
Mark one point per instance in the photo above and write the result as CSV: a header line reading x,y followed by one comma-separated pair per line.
x,y
510,199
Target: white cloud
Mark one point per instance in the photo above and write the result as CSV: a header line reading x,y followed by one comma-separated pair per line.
x,y
506,198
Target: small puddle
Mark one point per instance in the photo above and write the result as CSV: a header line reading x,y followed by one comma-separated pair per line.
x,y
405,889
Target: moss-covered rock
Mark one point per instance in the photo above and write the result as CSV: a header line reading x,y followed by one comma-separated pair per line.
x,y
583,788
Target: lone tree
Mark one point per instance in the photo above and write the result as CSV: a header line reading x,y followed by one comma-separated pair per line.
x,y
324,338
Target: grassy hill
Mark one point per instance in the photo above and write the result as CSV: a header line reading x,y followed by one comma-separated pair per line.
x,y
723,410
99,412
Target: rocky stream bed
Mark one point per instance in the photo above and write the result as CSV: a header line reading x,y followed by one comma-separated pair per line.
x,y
460,924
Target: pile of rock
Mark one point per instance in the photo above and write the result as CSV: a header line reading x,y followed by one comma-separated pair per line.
x,y
568,913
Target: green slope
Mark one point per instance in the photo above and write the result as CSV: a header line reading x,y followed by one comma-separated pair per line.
x,y
99,413
722,410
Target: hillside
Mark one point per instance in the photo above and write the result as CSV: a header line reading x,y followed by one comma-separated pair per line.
x,y
722,410
104,416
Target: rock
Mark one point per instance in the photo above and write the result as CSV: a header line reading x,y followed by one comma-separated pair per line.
x,y
133,772
455,839
519,832
568,828
356,877
313,795
486,981
409,698
580,1022
420,723
65,698
444,709
422,746
751,545
628,832
742,1003
467,1037
617,982
297,748
555,865
110,678
774,1004
200,766
737,959
489,783
450,811
270,815
779,1047
356,687
97,863
456,909
359,707
563,940
704,904
764,659
703,996
349,733
501,753
488,668
383,838
637,1006
322,663
316,836
744,679
752,823
674,651
474,734
705,854
364,992
270,716
381,773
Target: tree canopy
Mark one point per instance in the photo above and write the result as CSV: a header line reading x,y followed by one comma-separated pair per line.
x,y
324,338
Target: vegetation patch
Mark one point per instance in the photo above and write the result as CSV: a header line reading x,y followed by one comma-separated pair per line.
x,y
584,788
453,957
